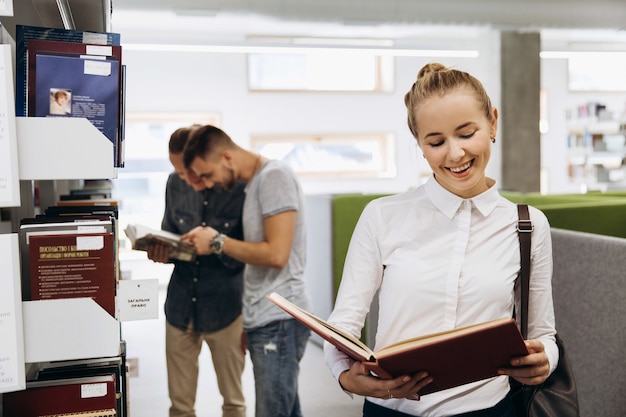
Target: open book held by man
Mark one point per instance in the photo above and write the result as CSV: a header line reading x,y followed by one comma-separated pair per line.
x,y
141,237
451,358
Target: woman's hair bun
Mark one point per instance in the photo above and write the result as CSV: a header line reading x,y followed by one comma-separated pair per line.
x,y
431,68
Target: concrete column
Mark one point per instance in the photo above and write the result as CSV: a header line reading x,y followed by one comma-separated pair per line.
x,y
519,111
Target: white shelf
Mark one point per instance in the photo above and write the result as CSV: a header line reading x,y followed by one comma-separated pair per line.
x,y
67,329
594,126
62,148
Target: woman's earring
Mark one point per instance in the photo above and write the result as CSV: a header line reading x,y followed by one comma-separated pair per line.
x,y
493,140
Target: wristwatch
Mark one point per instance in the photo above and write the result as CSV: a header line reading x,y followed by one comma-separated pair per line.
x,y
217,243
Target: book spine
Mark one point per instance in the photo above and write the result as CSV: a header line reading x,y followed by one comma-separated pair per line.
x,y
110,412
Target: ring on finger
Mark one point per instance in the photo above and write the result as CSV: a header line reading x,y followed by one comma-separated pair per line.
x,y
390,395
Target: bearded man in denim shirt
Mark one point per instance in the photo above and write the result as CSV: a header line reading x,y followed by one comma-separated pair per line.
x,y
204,297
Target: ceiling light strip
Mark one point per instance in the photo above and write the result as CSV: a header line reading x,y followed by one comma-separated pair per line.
x,y
573,54
252,49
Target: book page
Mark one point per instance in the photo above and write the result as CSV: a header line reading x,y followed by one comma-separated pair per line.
x,y
438,337
138,231
344,341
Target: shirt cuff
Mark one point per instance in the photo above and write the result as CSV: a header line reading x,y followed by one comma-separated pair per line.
x,y
337,362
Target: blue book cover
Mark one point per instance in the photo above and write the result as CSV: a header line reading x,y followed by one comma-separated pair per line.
x,y
24,33
74,86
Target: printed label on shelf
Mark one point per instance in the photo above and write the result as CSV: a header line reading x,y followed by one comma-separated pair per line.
x,y
138,299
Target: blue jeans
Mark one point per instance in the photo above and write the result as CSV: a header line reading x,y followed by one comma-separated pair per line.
x,y
275,351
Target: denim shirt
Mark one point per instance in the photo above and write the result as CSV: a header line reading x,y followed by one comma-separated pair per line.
x,y
207,292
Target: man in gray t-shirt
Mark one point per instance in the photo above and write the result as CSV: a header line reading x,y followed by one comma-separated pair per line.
x,y
273,250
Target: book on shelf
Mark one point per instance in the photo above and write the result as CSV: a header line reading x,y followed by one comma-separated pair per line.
x,y
111,412
70,396
73,265
68,201
61,224
83,106
141,237
82,210
81,368
70,49
97,183
93,187
76,86
452,358
25,33
121,150
85,196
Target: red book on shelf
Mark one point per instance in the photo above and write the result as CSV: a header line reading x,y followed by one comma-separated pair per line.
x,y
73,265
63,396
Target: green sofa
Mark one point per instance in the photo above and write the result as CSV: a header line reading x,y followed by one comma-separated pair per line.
x,y
599,213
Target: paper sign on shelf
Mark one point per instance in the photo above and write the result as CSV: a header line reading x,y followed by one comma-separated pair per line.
x,y
12,371
6,7
138,299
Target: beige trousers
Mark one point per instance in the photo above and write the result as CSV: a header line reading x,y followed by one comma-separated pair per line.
x,y
182,348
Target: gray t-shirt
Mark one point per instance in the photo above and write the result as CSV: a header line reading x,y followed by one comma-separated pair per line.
x,y
273,189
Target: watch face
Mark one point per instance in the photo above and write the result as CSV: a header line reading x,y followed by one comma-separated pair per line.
x,y
217,243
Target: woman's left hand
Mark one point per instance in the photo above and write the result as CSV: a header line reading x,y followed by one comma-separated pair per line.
x,y
531,369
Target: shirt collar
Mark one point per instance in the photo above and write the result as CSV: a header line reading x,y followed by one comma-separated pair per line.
x,y
449,203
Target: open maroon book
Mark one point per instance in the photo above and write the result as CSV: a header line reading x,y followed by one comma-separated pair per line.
x,y
451,358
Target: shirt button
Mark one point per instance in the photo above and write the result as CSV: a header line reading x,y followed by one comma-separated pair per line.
x,y
206,203
193,299
195,279
181,221
226,224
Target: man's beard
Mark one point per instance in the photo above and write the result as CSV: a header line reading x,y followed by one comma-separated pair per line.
x,y
229,184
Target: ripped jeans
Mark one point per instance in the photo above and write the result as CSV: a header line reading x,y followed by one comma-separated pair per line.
x,y
275,351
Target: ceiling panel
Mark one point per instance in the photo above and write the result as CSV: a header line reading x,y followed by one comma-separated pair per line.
x,y
597,14
91,15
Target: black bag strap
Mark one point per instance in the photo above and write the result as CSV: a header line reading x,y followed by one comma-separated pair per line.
x,y
524,230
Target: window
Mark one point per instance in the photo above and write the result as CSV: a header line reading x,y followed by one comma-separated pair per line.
x,y
599,71
319,68
141,183
332,156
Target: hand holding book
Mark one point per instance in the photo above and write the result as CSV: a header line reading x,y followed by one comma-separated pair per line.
x,y
145,238
359,380
451,358
159,252
202,238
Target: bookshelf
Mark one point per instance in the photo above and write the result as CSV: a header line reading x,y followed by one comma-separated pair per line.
x,y
596,152
51,150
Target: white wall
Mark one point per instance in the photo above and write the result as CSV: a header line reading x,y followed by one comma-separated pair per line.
x,y
186,82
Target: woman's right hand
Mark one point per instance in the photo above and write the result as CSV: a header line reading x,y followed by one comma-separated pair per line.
x,y
359,380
